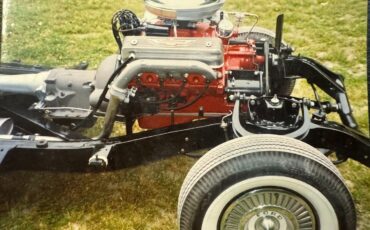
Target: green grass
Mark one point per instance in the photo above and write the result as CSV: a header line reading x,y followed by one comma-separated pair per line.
x,y
62,33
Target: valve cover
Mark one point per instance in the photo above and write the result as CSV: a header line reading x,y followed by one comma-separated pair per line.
x,y
207,50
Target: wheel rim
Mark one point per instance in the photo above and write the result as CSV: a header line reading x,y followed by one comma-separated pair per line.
x,y
326,217
268,209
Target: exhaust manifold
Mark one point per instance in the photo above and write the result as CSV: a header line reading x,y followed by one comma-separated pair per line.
x,y
174,68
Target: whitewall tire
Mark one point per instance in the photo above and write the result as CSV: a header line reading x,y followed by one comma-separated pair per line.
x,y
265,182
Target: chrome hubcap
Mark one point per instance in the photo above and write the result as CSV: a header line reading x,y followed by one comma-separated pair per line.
x,y
268,209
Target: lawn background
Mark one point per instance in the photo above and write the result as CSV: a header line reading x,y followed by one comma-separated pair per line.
x,y
65,32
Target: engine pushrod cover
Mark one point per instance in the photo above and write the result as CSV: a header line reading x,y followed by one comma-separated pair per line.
x,y
175,48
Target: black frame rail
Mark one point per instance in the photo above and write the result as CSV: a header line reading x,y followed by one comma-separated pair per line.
x,y
153,145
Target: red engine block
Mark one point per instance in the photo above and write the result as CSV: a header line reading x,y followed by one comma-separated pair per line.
x,y
214,100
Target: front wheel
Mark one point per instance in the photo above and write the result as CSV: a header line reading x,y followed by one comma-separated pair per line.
x,y
265,182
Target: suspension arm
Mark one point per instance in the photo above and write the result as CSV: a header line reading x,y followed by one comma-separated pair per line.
x,y
330,82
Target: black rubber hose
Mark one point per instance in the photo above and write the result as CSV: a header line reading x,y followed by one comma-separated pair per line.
x,y
193,101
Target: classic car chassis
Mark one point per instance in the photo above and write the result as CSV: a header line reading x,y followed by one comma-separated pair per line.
x,y
73,153
234,97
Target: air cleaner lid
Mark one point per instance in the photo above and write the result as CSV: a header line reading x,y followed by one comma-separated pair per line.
x,y
183,10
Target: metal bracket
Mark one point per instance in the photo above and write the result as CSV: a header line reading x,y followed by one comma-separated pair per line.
x,y
300,133
4,149
123,94
100,158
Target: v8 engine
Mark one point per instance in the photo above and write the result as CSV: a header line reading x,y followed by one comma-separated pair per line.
x,y
177,71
